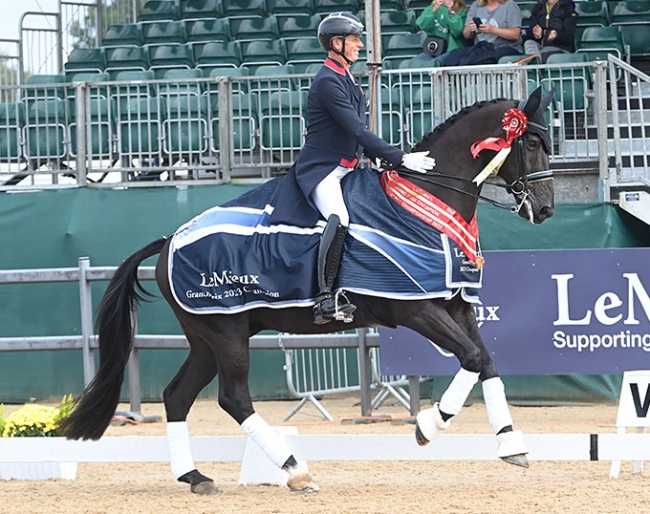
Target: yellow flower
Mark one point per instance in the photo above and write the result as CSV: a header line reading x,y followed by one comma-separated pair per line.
x,y
33,420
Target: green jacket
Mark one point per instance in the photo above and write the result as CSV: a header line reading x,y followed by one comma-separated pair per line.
x,y
444,24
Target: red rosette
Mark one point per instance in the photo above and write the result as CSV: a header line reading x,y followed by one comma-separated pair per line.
x,y
514,123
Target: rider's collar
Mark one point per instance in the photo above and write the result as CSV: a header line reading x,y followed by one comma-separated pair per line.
x,y
334,65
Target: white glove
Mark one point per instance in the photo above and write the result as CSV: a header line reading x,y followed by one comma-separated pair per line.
x,y
418,161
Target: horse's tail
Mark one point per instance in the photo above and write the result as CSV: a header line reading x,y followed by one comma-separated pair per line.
x,y
93,411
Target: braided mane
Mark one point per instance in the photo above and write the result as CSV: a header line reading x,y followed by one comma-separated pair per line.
x,y
450,121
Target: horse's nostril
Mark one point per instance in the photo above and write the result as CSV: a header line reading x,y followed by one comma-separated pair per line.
x,y
546,211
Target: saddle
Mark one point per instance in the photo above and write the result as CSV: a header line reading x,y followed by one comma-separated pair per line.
x,y
230,259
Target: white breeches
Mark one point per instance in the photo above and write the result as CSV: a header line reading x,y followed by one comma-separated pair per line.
x,y
328,197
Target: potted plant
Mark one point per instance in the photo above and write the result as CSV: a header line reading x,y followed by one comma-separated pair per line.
x,y
34,420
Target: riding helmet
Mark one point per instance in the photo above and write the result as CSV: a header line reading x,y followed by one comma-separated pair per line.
x,y
338,24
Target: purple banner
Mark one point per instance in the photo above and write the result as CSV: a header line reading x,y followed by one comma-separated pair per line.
x,y
548,312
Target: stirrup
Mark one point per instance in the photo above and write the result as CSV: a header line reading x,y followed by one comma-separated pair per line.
x,y
328,308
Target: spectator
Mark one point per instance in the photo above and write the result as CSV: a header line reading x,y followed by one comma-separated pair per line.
x,y
443,21
495,28
552,28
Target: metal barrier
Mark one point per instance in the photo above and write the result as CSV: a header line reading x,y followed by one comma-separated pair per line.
x,y
362,342
164,127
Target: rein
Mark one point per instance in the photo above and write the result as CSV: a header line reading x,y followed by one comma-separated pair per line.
x,y
518,187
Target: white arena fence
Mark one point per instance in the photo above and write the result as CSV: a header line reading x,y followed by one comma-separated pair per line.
x,y
329,363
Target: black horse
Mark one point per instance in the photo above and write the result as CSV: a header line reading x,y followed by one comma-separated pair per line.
x,y
219,342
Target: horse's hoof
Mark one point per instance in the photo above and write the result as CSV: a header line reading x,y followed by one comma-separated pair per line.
x,y
205,488
419,436
517,460
428,424
302,484
300,480
512,448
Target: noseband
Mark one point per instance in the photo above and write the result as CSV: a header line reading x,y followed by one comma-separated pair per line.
x,y
519,187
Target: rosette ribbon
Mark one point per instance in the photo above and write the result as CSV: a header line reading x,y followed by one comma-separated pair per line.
x,y
514,123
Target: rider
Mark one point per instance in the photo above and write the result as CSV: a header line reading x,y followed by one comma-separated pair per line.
x,y
336,137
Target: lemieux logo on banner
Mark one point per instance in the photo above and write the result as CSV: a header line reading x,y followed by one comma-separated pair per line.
x,y
609,309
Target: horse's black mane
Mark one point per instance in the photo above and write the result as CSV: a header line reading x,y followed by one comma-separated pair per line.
x,y
451,120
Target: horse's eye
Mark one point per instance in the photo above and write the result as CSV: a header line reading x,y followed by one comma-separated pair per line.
x,y
532,144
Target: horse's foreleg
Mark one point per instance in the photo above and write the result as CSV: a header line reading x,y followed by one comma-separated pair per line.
x,y
198,371
234,398
430,422
512,448
436,323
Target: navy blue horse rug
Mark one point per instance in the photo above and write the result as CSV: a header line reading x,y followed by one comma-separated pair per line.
x,y
231,259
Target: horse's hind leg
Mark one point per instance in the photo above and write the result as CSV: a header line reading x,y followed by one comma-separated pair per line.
x,y
230,347
197,372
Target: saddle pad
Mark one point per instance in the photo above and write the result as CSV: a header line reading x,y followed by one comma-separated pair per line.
x,y
229,259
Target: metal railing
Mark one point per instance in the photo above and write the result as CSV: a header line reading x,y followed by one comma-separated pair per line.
x,y
361,342
125,130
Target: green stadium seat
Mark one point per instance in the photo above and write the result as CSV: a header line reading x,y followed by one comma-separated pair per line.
x,y
420,113
244,8
46,132
271,78
45,86
300,25
406,44
637,36
629,11
206,30
164,32
282,124
139,128
394,5
290,7
185,127
12,121
123,35
391,120
154,10
119,58
303,51
181,81
237,86
99,129
570,84
258,53
328,6
244,123
172,55
201,9
86,59
254,28
217,54
598,42
592,12
398,21
633,18
94,90
131,84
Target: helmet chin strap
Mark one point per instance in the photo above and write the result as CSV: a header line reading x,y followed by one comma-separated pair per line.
x,y
342,52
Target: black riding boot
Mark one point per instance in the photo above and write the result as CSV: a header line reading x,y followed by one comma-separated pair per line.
x,y
329,260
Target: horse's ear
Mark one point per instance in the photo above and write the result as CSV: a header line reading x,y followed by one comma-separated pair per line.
x,y
546,99
533,102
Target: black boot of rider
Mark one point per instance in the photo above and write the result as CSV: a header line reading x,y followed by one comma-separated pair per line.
x,y
329,260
